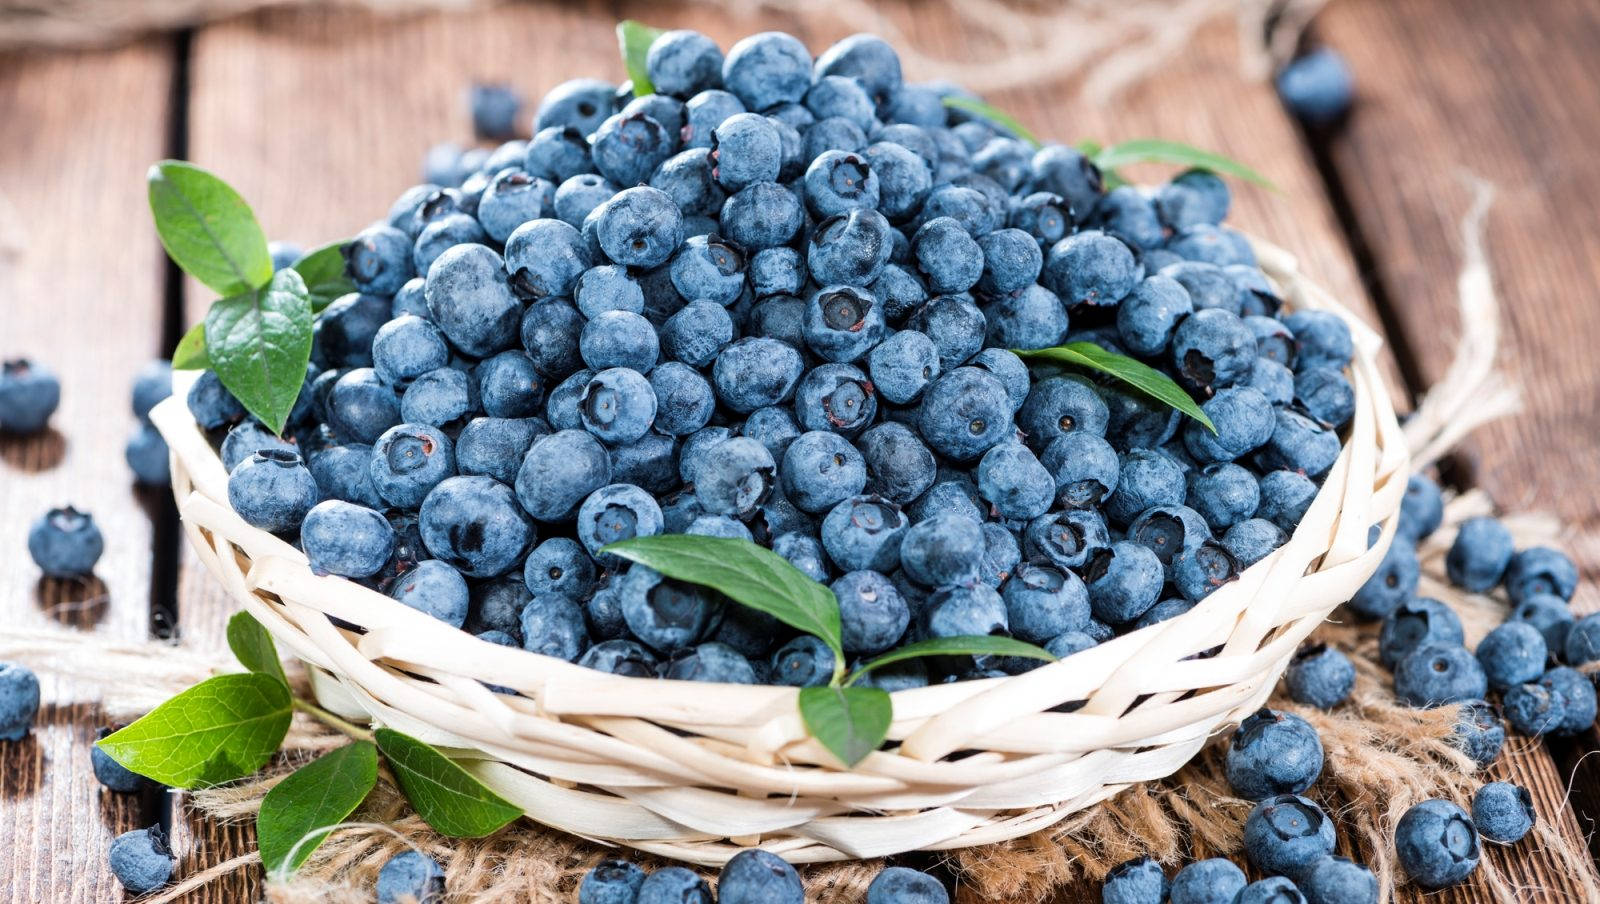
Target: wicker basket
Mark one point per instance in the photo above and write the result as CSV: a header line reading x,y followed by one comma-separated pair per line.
x,y
696,771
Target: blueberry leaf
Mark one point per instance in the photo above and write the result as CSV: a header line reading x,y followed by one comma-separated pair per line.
x,y
324,273
964,645
1137,374
850,721
253,646
207,229
746,573
190,353
448,798
297,812
259,341
221,729
634,40
995,115
1157,150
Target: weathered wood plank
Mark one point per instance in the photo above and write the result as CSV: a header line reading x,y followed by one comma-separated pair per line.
x,y
1495,90
81,291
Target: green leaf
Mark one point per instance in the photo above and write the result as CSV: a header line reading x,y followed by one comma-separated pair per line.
x,y
207,229
1088,147
850,721
447,797
259,341
1137,374
1156,150
253,646
964,645
191,351
741,570
995,115
324,273
297,812
221,729
634,40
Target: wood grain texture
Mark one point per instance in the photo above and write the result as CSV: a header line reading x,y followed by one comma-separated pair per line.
x,y
1499,91
80,291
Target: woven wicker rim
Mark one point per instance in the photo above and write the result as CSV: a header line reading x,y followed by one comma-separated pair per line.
x,y
698,772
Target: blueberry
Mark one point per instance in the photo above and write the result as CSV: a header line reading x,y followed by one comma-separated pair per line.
x,y
111,774
1422,509
964,413
1201,569
821,469
1287,835
347,540
640,227
438,398
1437,675
66,543
1420,622
763,215
1316,87
410,877
1212,349
683,62
962,610
1067,539
1436,843
1014,483
1326,395
903,180
901,885
1273,753
842,323
899,466
1213,881
1147,318
1252,539
804,552
943,549
408,460
553,625
903,365
1059,406
1534,709
611,881
1194,197
872,613
1299,443
19,701
1478,732
1146,479
684,401
151,385
434,588
1320,676
978,213
618,405
716,662
271,490
629,145
864,532
1322,339
1129,213
1085,468
141,860
1124,580
513,198
772,427
497,606
850,248
1393,582
1224,494
953,492
442,234
475,524
755,876
1138,881
1550,615
1045,216
1212,244
756,372
1091,268
1503,812
1337,880
1272,890
1244,421
1540,570
775,271
557,153
618,657
837,181
1512,654
673,885
550,329
1480,555
471,301
578,197
406,348
580,102
1582,643
1578,698
613,513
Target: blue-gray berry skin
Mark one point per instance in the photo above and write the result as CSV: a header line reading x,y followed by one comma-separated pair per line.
x,y
1085,467
959,610
1582,644
944,549
849,248
111,774
1534,709
682,63
1438,675
756,372
1417,623
476,525
1244,419
964,413
1213,244
607,288
956,326
904,181
1271,890
272,490
762,215
1514,653
640,227
1578,695
379,260
1044,602
248,437
666,615
151,385
1213,881
1436,843
1199,571
141,860
900,467
446,232
1478,733
1138,881
471,301
1480,554
902,885
1224,494
1014,483
579,196
406,348
66,543
1146,479
755,876
438,398
557,153
903,365
345,539
618,657
1009,369
1326,395
1169,530
842,323
611,881
1212,349
1287,834
1194,196
1503,812
673,885
1338,880
410,877
1029,319
837,181
707,268
1393,582
509,385
1068,539
1550,615
713,662
1252,540
736,477
19,701
629,145
514,197
804,661
614,513
1147,318
1540,570
947,256
553,625
544,257
1128,212
1320,676
435,588
821,469
1322,339
497,606
1422,509
618,405
864,532
1273,753
409,460
1318,87
1124,580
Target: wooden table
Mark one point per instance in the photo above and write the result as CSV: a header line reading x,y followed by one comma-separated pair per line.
x,y
299,109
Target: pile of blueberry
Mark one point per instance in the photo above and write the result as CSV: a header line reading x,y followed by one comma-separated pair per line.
x,y
775,301
752,877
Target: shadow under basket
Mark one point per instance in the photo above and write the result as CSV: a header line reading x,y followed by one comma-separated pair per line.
x,y
697,772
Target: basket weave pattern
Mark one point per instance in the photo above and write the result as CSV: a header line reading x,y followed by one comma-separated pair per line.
x,y
696,771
